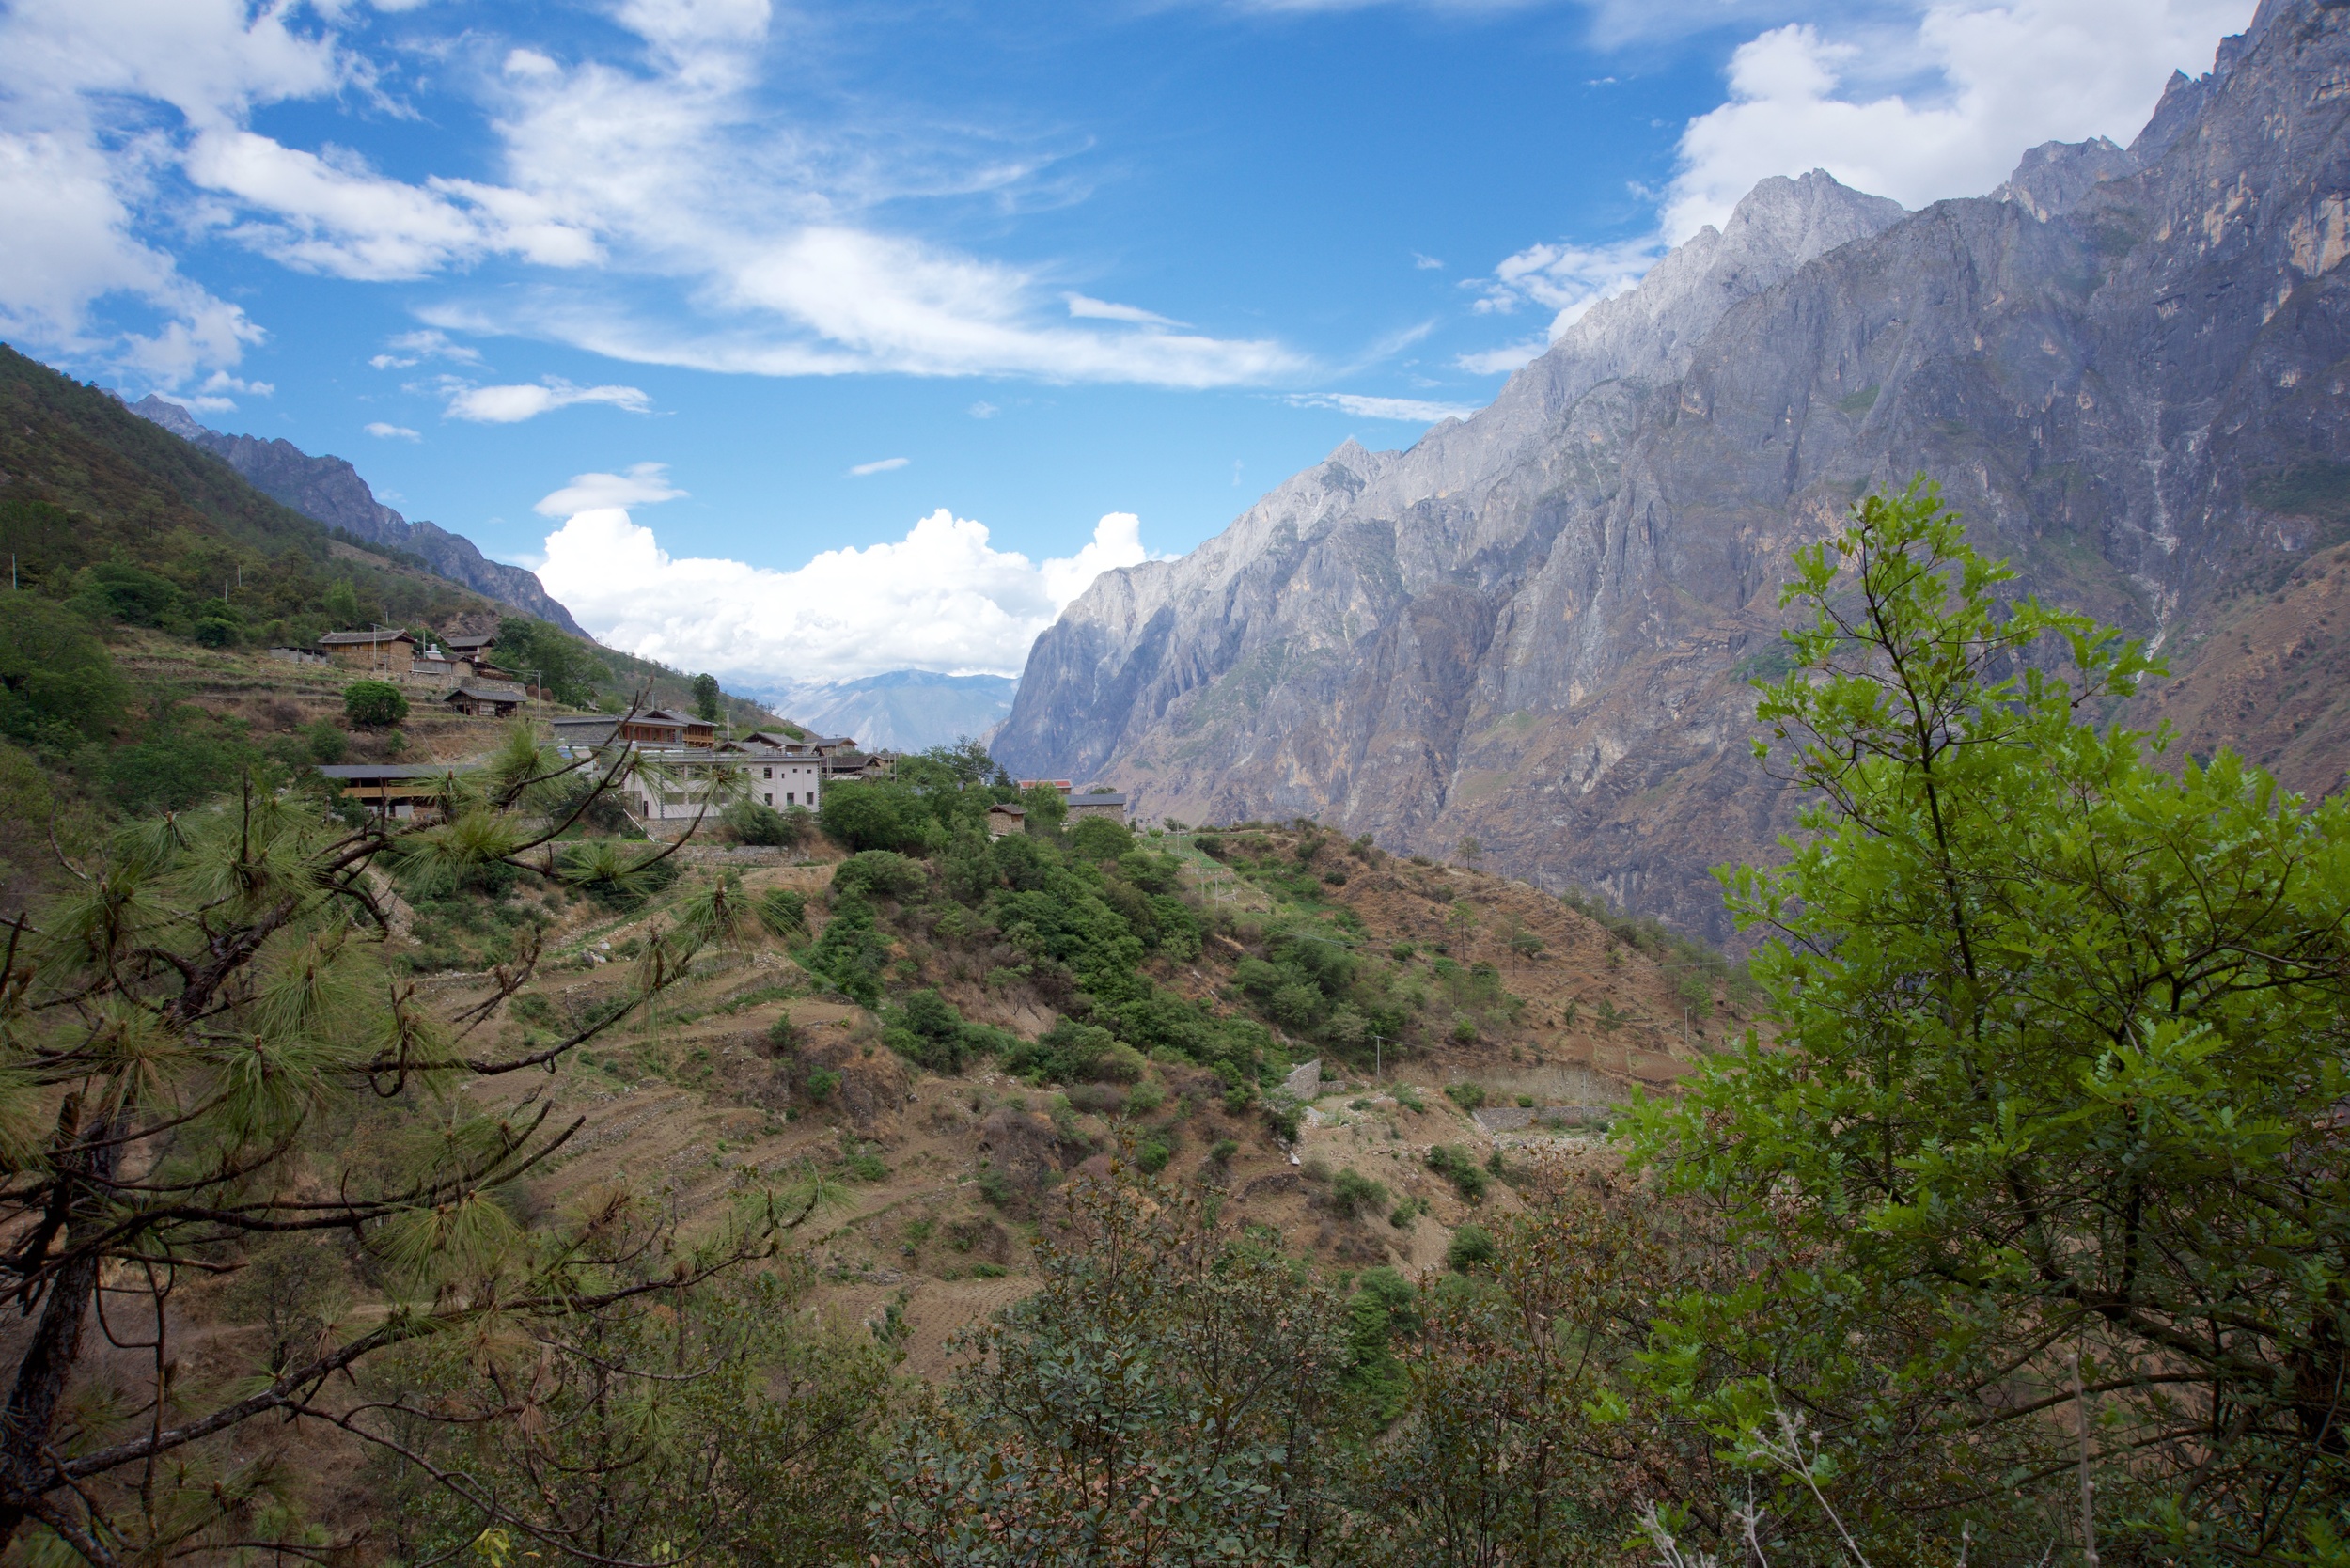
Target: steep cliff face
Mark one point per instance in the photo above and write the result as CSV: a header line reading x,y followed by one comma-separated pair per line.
x,y
330,490
1536,626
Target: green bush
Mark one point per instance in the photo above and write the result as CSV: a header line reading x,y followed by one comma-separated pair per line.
x,y
57,684
873,814
129,593
1222,1151
1471,1248
879,871
747,822
821,1083
1468,1096
783,911
1100,838
376,704
1452,1162
1352,1192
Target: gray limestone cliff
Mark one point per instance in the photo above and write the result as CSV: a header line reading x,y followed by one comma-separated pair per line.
x,y
330,490
2126,367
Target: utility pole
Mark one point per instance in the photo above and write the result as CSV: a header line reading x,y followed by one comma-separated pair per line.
x,y
1378,1058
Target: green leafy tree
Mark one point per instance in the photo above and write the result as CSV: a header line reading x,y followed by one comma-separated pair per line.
x,y
563,669
375,704
188,1037
706,698
57,684
765,1456
2058,1082
876,814
1169,1395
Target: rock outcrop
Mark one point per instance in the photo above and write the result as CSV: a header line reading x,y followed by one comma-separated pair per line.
x,y
2127,368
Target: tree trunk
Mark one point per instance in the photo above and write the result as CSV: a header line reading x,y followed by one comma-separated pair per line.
x,y
26,1467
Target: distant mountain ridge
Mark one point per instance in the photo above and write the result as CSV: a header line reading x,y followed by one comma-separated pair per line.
x,y
2127,368
329,490
901,710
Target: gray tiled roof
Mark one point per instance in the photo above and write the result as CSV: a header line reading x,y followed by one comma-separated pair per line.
x,y
380,770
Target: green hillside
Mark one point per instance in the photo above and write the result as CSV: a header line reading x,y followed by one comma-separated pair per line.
x,y
148,579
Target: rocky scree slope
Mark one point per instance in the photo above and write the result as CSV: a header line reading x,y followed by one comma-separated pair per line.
x,y
329,490
2125,367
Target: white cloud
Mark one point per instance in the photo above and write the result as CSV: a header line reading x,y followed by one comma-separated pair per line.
x,y
1406,410
1103,310
881,465
2000,78
413,347
1426,263
643,484
1494,362
384,432
941,598
984,410
506,405
670,209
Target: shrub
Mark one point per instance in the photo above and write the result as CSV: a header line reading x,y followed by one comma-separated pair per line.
x,y
879,871
821,1085
376,704
1222,1151
747,822
1146,1097
1452,1162
1098,1098
1471,1248
870,814
1464,1030
1352,1192
1100,838
783,911
994,1185
58,682
1406,1210
1153,1154
1468,1096
1121,1064
1408,1097
783,1036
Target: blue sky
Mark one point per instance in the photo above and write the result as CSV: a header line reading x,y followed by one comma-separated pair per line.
x,y
763,313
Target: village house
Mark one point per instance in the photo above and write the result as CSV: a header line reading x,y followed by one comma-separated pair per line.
x,y
485,699
389,790
1003,820
1098,803
635,731
380,651
781,773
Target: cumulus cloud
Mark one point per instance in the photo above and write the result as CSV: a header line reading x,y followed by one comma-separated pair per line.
x,y
506,405
643,484
1983,80
941,598
1999,78
1411,411
881,465
385,431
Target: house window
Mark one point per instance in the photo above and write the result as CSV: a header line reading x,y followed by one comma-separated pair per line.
x,y
769,797
768,773
787,798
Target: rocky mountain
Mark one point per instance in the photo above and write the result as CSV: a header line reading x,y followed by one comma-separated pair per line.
x,y
2126,367
901,710
330,490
